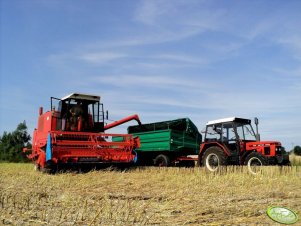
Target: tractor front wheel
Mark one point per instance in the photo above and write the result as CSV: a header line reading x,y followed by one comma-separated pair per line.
x,y
254,162
214,158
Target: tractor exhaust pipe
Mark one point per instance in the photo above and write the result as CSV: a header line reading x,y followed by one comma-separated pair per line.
x,y
257,133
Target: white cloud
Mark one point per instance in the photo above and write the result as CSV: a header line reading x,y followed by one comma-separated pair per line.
x,y
172,82
165,21
101,57
177,13
292,42
149,11
182,58
146,37
195,93
86,56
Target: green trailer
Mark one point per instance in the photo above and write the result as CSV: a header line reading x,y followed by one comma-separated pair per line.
x,y
166,143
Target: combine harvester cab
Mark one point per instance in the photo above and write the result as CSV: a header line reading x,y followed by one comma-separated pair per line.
x,y
72,133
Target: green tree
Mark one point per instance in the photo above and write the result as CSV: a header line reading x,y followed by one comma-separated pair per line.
x,y
297,150
11,144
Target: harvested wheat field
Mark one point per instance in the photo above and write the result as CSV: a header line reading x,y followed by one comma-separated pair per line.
x,y
146,196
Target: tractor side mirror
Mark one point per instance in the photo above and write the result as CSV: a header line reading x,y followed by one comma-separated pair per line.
x,y
256,121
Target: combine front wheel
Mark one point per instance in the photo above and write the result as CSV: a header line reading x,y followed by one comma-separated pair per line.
x,y
49,168
37,167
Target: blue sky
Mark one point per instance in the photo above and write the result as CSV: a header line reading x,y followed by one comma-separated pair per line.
x,y
162,59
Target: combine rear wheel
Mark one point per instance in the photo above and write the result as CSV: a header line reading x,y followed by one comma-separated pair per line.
x,y
214,158
255,161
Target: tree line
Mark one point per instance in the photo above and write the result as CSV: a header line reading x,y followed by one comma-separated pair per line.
x,y
296,150
12,144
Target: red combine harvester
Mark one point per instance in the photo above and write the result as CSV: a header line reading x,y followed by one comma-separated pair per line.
x,y
73,133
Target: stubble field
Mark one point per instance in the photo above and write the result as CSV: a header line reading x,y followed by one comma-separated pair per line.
x,y
146,196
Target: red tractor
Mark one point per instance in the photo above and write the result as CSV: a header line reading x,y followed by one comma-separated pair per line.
x,y
232,141
72,133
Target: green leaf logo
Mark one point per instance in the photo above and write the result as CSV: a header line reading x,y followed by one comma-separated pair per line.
x,y
282,215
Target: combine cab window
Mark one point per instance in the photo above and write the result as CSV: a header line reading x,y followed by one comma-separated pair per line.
x,y
78,115
95,112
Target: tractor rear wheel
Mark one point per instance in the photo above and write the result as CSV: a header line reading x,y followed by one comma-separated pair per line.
x,y
162,160
214,158
255,161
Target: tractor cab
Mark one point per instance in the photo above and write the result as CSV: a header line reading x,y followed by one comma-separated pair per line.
x,y
78,113
233,141
231,132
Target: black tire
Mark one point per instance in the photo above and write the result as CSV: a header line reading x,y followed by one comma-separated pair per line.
x,y
162,161
214,158
49,168
187,164
254,161
286,163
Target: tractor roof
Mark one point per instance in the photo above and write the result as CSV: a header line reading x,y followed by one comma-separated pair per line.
x,y
81,96
231,119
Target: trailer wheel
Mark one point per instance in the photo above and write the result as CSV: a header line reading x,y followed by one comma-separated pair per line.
x,y
162,160
214,158
254,162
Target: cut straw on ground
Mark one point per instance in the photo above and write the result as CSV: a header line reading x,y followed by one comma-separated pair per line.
x,y
146,196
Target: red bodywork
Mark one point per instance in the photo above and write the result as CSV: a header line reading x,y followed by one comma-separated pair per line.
x,y
119,122
58,146
237,140
266,148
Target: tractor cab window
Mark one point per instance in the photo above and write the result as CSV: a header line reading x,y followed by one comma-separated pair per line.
x,y
245,132
213,132
221,132
228,132
231,134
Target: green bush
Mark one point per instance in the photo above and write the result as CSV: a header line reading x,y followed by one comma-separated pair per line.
x,y
297,150
11,144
